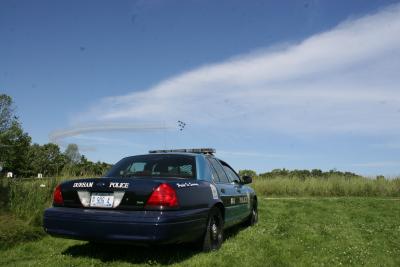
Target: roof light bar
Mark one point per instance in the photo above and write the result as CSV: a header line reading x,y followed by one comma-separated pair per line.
x,y
190,150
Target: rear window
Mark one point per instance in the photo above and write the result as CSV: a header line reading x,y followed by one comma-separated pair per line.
x,y
155,166
222,178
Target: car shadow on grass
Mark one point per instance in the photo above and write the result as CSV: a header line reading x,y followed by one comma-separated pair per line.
x,y
165,254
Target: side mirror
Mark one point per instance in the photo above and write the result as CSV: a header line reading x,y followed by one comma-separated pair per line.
x,y
247,179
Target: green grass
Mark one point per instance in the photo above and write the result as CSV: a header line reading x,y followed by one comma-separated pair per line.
x,y
27,198
14,231
313,231
291,232
332,186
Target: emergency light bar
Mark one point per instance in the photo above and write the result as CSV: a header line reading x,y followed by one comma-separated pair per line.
x,y
190,150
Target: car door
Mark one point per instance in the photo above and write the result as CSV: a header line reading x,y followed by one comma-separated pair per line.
x,y
228,192
243,200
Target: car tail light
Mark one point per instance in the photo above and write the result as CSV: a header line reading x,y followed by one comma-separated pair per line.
x,y
57,196
163,196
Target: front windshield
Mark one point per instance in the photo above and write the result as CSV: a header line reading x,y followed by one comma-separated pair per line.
x,y
155,166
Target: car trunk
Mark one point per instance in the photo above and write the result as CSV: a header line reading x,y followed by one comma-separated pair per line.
x,y
111,193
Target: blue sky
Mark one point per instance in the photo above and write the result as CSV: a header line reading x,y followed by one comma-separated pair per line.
x,y
269,84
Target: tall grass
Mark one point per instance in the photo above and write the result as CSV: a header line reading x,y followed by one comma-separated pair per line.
x,y
28,199
333,186
22,202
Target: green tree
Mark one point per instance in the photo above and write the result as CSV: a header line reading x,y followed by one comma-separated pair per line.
x,y
316,173
14,143
7,116
72,154
248,173
6,119
46,159
15,146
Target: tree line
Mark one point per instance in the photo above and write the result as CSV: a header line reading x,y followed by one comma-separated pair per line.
x,y
24,159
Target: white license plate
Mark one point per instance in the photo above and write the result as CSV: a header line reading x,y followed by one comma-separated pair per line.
x,y
102,200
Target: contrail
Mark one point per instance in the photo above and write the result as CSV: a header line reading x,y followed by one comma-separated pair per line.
x,y
57,135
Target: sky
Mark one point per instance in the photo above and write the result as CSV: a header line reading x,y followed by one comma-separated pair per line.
x,y
268,84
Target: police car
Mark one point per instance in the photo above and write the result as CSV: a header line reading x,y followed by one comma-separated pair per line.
x,y
166,196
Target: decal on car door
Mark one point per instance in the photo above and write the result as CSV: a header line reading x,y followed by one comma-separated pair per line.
x,y
214,191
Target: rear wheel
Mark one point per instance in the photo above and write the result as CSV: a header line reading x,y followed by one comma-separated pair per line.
x,y
215,231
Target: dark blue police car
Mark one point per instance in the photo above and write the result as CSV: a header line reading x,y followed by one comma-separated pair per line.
x,y
166,196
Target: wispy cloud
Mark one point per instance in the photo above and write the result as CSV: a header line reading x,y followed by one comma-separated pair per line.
x,y
58,136
342,80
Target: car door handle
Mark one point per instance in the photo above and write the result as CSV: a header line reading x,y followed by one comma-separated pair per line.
x,y
222,190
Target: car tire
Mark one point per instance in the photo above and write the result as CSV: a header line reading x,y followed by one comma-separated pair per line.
x,y
253,217
214,234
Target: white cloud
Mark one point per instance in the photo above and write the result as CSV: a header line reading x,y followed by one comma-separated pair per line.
x,y
342,80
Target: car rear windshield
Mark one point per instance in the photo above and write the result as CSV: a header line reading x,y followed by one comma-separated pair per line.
x,y
155,166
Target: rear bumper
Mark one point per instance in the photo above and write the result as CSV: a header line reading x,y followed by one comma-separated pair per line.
x,y
130,226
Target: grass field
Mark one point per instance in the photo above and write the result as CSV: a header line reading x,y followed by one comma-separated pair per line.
x,y
291,232
335,185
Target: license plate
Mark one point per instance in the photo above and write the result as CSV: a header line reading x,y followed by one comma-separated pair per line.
x,y
102,200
